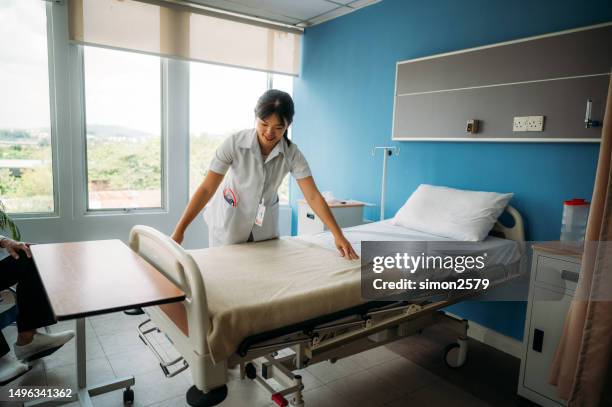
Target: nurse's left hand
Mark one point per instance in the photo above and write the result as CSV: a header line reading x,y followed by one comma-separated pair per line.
x,y
345,248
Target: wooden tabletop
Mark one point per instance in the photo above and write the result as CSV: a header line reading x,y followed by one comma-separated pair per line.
x,y
560,248
97,277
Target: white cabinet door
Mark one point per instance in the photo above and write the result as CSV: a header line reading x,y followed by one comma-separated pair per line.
x,y
547,318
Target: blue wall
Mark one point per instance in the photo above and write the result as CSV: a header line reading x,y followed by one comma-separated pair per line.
x,y
344,102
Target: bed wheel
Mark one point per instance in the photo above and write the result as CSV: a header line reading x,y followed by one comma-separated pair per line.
x,y
250,371
198,398
455,355
128,397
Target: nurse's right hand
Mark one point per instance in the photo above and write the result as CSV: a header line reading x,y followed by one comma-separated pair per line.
x,y
177,237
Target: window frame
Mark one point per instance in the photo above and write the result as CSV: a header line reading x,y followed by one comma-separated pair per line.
x,y
163,208
53,127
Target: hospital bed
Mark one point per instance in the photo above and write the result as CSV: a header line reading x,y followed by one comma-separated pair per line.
x,y
271,308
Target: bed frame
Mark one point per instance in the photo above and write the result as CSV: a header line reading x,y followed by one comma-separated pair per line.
x,y
331,337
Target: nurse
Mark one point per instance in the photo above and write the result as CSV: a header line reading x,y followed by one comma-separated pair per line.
x,y
243,180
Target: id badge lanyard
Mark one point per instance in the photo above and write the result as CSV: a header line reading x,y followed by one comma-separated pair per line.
x,y
261,211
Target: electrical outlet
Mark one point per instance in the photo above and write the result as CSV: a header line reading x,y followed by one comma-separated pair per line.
x,y
535,123
520,123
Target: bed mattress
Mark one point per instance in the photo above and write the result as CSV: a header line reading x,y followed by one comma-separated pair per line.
x,y
258,287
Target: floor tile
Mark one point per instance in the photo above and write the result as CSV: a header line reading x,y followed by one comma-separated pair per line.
x,y
66,355
154,387
135,362
439,394
326,372
98,371
404,374
246,393
121,342
324,397
174,402
373,357
116,324
70,325
365,389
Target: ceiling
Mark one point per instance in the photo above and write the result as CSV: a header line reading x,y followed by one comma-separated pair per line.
x,y
300,13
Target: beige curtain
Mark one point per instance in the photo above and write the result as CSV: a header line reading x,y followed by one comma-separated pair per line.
x,y
175,31
581,366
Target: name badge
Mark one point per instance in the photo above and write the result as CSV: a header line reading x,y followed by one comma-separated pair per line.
x,y
261,211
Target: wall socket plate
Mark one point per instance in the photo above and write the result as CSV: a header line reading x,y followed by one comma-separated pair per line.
x,y
535,123
520,123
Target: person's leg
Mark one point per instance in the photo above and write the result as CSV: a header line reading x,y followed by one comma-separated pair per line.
x,y
4,347
10,369
34,311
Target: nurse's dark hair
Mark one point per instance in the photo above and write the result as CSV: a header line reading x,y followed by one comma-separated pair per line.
x,y
277,102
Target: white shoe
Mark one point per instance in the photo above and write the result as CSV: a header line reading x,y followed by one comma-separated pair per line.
x,y
42,345
10,369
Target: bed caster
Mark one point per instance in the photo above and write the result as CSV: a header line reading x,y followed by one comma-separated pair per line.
x,y
128,397
455,354
250,371
197,398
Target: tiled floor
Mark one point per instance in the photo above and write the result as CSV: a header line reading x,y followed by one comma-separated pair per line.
x,y
378,377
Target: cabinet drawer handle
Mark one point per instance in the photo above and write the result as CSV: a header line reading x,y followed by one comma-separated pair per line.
x,y
570,275
310,215
538,340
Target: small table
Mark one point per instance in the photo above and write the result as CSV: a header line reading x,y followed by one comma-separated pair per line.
x,y
347,213
97,277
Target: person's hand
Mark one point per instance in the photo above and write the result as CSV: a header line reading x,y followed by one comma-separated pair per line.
x,y
177,236
13,247
345,248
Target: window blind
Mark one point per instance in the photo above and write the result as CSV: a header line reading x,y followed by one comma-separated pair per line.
x,y
176,31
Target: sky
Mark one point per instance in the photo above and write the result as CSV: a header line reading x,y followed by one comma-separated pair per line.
x,y
121,88
24,84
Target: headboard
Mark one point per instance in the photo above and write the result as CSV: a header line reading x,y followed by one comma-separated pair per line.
x,y
436,95
515,232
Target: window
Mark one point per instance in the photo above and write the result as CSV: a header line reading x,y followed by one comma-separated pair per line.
x,y
26,170
123,126
222,100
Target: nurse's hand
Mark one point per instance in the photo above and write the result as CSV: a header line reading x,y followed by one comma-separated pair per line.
x,y
177,237
345,248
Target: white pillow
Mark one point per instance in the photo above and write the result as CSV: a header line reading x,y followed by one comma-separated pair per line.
x,y
453,213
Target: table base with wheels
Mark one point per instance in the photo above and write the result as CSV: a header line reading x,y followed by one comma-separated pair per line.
x,y
85,393
98,270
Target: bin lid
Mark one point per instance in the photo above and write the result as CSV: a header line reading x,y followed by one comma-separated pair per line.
x,y
576,202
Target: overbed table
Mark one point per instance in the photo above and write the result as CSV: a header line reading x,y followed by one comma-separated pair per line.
x,y
97,277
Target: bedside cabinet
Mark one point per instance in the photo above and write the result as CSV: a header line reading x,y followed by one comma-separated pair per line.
x,y
554,276
347,214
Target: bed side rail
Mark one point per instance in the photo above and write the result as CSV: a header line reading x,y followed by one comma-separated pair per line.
x,y
178,266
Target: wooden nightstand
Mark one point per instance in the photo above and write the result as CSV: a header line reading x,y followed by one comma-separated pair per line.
x,y
554,276
347,214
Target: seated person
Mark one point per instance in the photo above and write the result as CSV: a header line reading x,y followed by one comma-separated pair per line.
x,y
33,311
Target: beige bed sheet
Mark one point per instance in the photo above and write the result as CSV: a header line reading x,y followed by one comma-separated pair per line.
x,y
256,287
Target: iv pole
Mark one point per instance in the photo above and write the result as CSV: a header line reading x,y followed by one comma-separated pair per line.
x,y
387,152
